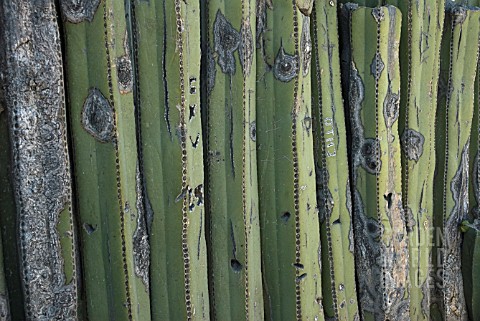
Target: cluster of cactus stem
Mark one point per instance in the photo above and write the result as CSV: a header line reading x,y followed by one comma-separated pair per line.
x,y
240,160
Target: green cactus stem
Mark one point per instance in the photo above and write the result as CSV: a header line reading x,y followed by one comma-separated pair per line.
x,y
334,197
167,99
235,260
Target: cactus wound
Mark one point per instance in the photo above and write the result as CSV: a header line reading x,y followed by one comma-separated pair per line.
x,y
77,11
412,144
141,245
452,274
97,116
226,40
391,108
286,66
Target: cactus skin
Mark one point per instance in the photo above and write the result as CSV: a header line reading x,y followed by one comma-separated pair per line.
x,y
235,261
461,29
290,229
34,97
424,20
380,230
105,158
169,121
334,197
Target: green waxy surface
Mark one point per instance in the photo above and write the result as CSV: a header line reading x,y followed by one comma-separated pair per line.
x,y
234,233
105,172
168,115
289,218
333,182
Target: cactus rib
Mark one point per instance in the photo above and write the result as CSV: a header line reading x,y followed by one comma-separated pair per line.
x,y
332,169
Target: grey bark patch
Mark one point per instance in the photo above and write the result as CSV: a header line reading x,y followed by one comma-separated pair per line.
x,y
246,48
211,70
412,144
452,273
226,40
356,96
98,116
141,244
370,152
367,259
124,74
77,11
377,65
410,220
306,46
34,96
378,14
286,66
391,108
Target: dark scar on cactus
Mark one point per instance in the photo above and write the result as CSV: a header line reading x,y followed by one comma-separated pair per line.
x,y
377,65
98,117
253,131
412,144
76,11
286,66
124,74
369,152
391,108
141,244
378,14
226,40
211,70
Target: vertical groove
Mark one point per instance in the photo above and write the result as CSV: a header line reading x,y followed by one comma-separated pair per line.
x,y
117,164
186,258
295,166
244,201
324,166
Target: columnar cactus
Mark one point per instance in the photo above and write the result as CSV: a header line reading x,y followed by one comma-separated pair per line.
x,y
110,213
234,223
455,120
333,183
167,103
286,169
379,224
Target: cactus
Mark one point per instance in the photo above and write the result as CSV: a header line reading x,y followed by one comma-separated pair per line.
x,y
286,169
34,97
379,226
420,43
99,71
455,119
235,265
471,268
333,197
173,190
